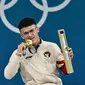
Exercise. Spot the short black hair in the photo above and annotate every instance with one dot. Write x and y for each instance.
(26, 22)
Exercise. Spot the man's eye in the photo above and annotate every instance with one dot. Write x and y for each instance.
(26, 33)
(31, 30)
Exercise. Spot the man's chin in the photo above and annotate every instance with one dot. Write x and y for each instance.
(33, 42)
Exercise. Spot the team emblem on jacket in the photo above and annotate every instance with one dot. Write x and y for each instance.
(47, 54)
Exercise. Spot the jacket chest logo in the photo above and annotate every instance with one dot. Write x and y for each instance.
(47, 54)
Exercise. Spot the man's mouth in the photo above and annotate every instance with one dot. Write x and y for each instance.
(32, 39)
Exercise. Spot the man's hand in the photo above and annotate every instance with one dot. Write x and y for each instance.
(70, 52)
(20, 49)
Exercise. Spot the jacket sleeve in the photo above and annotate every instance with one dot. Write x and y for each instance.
(12, 68)
(62, 66)
(60, 62)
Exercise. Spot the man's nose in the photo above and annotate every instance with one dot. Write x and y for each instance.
(29, 34)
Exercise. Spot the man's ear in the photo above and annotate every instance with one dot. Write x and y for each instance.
(21, 36)
(37, 29)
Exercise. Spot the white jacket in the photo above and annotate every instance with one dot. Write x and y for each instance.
(38, 67)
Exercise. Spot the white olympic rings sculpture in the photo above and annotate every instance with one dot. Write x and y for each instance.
(43, 8)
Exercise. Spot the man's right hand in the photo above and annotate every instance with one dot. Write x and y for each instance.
(20, 49)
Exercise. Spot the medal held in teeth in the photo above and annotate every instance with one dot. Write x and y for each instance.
(28, 43)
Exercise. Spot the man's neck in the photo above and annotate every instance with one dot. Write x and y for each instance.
(37, 44)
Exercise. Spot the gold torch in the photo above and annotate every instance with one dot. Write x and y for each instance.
(64, 45)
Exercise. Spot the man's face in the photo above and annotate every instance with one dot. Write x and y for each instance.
(30, 32)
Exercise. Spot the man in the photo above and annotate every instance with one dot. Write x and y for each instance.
(39, 63)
